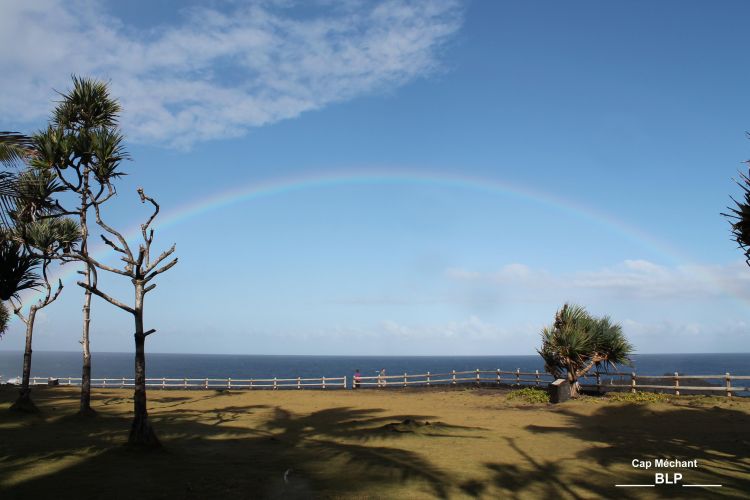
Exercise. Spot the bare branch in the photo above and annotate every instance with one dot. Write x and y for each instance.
(95, 263)
(146, 334)
(148, 236)
(66, 182)
(111, 191)
(111, 231)
(144, 198)
(106, 297)
(149, 288)
(17, 310)
(110, 243)
(160, 258)
(57, 293)
(47, 286)
(159, 271)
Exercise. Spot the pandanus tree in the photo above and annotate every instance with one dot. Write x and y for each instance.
(576, 343)
(141, 269)
(43, 237)
(83, 147)
(47, 238)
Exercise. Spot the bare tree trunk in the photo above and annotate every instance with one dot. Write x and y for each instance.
(24, 403)
(85, 408)
(575, 388)
(141, 432)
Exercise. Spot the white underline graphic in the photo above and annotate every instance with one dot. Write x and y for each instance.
(654, 486)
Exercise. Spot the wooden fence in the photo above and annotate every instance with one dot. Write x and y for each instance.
(205, 383)
(691, 384)
(725, 384)
(498, 377)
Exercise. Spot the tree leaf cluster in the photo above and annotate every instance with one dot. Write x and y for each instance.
(739, 217)
(19, 269)
(578, 341)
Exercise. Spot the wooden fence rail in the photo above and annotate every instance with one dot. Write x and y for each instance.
(725, 384)
(204, 383)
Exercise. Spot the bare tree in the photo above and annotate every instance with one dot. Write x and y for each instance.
(141, 269)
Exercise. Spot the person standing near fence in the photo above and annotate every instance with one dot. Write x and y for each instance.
(357, 379)
(381, 378)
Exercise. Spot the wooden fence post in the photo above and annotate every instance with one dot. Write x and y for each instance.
(729, 385)
(229, 383)
(518, 376)
(676, 384)
(344, 381)
(405, 377)
(251, 383)
(632, 382)
(163, 382)
(123, 381)
(103, 385)
(206, 384)
(324, 382)
(428, 379)
(184, 383)
(536, 376)
(498, 376)
(453, 379)
(274, 383)
(478, 382)
(299, 383)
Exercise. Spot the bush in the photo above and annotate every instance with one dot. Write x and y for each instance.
(529, 395)
(638, 397)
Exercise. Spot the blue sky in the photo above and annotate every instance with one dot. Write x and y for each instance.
(432, 177)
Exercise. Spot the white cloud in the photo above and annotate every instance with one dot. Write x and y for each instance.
(471, 328)
(219, 72)
(686, 330)
(634, 279)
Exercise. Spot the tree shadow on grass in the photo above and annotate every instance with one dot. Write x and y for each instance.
(540, 478)
(215, 454)
(717, 437)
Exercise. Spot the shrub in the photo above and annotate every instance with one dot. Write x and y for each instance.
(529, 395)
(638, 397)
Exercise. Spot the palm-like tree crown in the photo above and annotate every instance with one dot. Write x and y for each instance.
(576, 340)
(17, 269)
(739, 218)
(4, 319)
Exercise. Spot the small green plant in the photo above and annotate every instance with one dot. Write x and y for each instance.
(529, 395)
(638, 397)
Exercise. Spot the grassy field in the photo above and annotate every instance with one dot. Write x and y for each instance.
(461, 443)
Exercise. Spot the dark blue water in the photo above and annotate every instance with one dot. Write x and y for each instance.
(115, 365)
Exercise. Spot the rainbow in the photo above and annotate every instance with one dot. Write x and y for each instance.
(399, 177)
(274, 187)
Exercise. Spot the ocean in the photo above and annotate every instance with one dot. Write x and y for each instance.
(116, 365)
